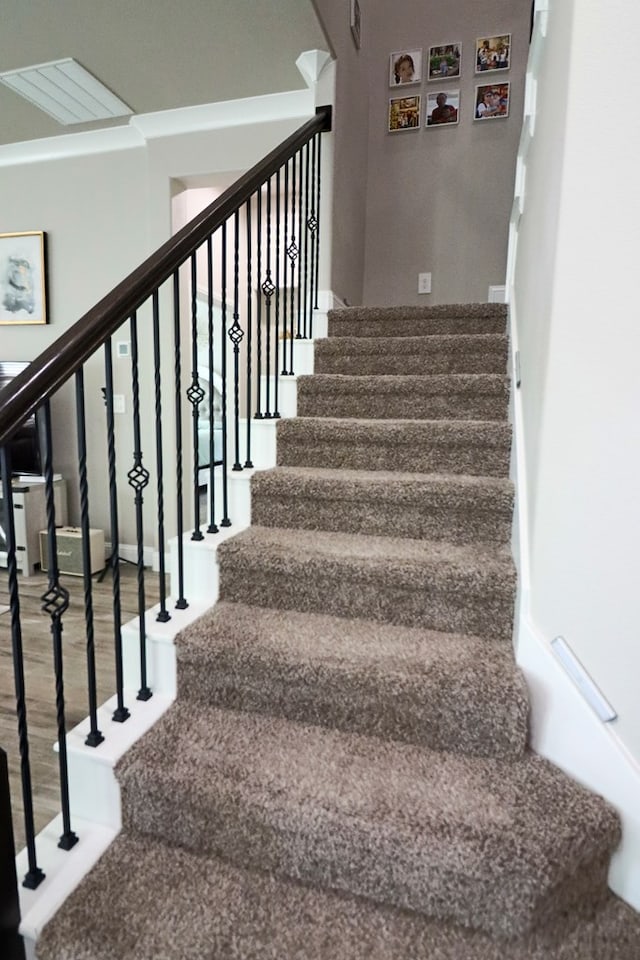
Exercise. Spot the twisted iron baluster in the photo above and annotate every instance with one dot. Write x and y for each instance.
(181, 603)
(312, 224)
(292, 253)
(299, 260)
(212, 528)
(236, 335)
(285, 233)
(225, 522)
(319, 139)
(259, 414)
(306, 238)
(195, 396)
(248, 464)
(95, 736)
(138, 478)
(121, 713)
(55, 602)
(163, 614)
(34, 875)
(276, 359)
(268, 290)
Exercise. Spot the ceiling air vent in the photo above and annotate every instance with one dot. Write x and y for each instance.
(66, 91)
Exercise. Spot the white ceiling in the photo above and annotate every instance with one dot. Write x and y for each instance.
(155, 54)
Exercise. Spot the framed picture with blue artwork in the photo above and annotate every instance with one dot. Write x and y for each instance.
(23, 277)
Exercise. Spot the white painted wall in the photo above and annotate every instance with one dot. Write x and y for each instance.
(572, 277)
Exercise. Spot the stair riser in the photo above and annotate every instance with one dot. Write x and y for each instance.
(419, 364)
(375, 454)
(341, 592)
(422, 520)
(382, 407)
(382, 866)
(454, 717)
(416, 328)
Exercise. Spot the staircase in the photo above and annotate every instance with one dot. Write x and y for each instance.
(345, 771)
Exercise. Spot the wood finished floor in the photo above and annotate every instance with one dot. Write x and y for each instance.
(39, 677)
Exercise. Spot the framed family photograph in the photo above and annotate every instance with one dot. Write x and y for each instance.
(443, 108)
(23, 277)
(492, 101)
(355, 21)
(445, 61)
(493, 53)
(404, 114)
(405, 67)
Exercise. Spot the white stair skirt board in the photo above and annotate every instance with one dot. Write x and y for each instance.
(287, 395)
(201, 563)
(95, 810)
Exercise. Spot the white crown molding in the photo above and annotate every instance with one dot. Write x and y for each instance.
(166, 123)
(311, 64)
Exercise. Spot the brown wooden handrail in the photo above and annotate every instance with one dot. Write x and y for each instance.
(55, 365)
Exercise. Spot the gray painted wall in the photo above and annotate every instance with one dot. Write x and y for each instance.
(437, 199)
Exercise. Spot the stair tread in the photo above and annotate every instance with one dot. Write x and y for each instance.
(480, 561)
(493, 384)
(439, 832)
(218, 911)
(422, 686)
(480, 431)
(491, 342)
(468, 311)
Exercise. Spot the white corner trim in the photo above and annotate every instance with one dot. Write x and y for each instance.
(227, 113)
(311, 64)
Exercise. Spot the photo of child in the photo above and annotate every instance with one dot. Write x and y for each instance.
(405, 67)
(444, 61)
(492, 101)
(404, 114)
(493, 53)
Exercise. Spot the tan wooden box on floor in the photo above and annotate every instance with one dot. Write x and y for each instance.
(69, 541)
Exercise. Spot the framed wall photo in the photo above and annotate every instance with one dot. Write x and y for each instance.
(492, 101)
(404, 114)
(405, 67)
(355, 21)
(443, 108)
(493, 53)
(23, 277)
(445, 61)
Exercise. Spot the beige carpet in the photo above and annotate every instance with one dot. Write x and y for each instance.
(345, 773)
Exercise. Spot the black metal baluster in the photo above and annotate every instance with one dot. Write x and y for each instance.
(225, 522)
(299, 333)
(163, 614)
(306, 240)
(319, 139)
(55, 601)
(181, 603)
(292, 253)
(121, 713)
(248, 464)
(34, 875)
(285, 233)
(195, 396)
(95, 736)
(212, 528)
(268, 290)
(312, 224)
(138, 478)
(11, 942)
(259, 414)
(276, 359)
(235, 335)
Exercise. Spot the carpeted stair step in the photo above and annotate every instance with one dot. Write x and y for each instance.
(472, 353)
(412, 583)
(442, 690)
(458, 508)
(418, 321)
(475, 447)
(471, 396)
(489, 844)
(212, 910)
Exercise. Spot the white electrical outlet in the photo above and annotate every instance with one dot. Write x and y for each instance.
(424, 283)
(118, 403)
